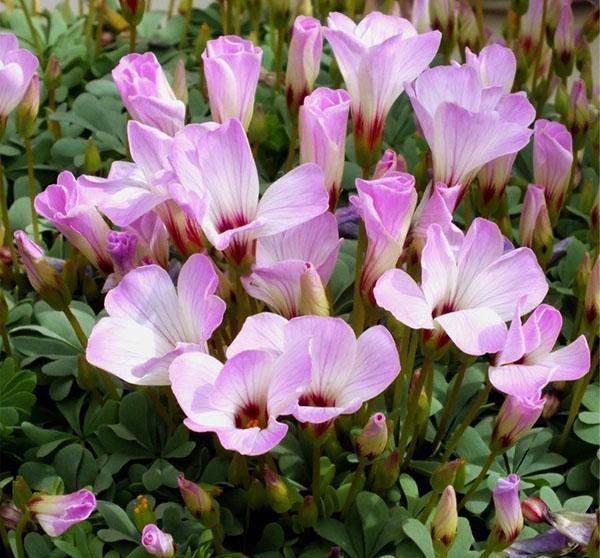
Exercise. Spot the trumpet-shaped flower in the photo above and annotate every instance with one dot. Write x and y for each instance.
(535, 229)
(214, 163)
(157, 542)
(232, 69)
(241, 400)
(56, 514)
(467, 293)
(456, 113)
(377, 57)
(386, 206)
(304, 59)
(67, 206)
(150, 322)
(17, 67)
(146, 93)
(527, 363)
(132, 190)
(282, 260)
(323, 120)
(515, 419)
(344, 371)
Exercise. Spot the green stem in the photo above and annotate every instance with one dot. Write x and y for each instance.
(34, 36)
(449, 404)
(358, 312)
(99, 27)
(4, 538)
(132, 37)
(353, 488)
(32, 190)
(5, 343)
(289, 162)
(186, 27)
(540, 47)
(237, 16)
(479, 16)
(429, 506)
(409, 351)
(413, 406)
(8, 237)
(19, 535)
(76, 326)
(578, 393)
(469, 417)
(475, 484)
(160, 408)
(217, 540)
(170, 9)
(279, 58)
(316, 471)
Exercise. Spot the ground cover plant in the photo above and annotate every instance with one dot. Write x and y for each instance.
(299, 279)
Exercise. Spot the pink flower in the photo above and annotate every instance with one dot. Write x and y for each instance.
(67, 206)
(564, 40)
(466, 292)
(323, 122)
(386, 206)
(454, 108)
(56, 514)
(241, 400)
(132, 190)
(530, 27)
(214, 163)
(150, 322)
(304, 59)
(283, 259)
(146, 93)
(17, 67)
(344, 371)
(232, 68)
(509, 518)
(516, 417)
(390, 162)
(496, 66)
(552, 160)
(157, 542)
(377, 57)
(420, 16)
(527, 363)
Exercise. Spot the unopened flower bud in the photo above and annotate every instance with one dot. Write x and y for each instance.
(42, 275)
(56, 514)
(446, 474)
(551, 404)
(27, 111)
(534, 509)
(373, 438)
(564, 42)
(92, 162)
(591, 309)
(179, 86)
(467, 30)
(201, 39)
(535, 229)
(313, 297)
(52, 75)
(157, 542)
(278, 494)
(579, 113)
(390, 162)
(441, 15)
(142, 512)
(509, 518)
(10, 515)
(445, 521)
(256, 495)
(237, 474)
(199, 502)
(308, 514)
(515, 419)
(184, 7)
(133, 10)
(21, 492)
(386, 471)
(590, 28)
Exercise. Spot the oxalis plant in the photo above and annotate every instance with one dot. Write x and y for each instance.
(299, 279)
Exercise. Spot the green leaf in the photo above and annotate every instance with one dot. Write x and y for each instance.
(420, 535)
(16, 394)
(374, 514)
(119, 523)
(335, 532)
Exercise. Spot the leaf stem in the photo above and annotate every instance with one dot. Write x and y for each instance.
(358, 313)
(316, 471)
(475, 484)
(8, 238)
(31, 187)
(353, 488)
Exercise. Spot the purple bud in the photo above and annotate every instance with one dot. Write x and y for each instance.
(373, 438)
(515, 419)
(122, 248)
(10, 515)
(509, 518)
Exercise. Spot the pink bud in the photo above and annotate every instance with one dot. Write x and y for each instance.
(509, 518)
(515, 419)
(304, 60)
(534, 509)
(390, 162)
(157, 542)
(373, 438)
